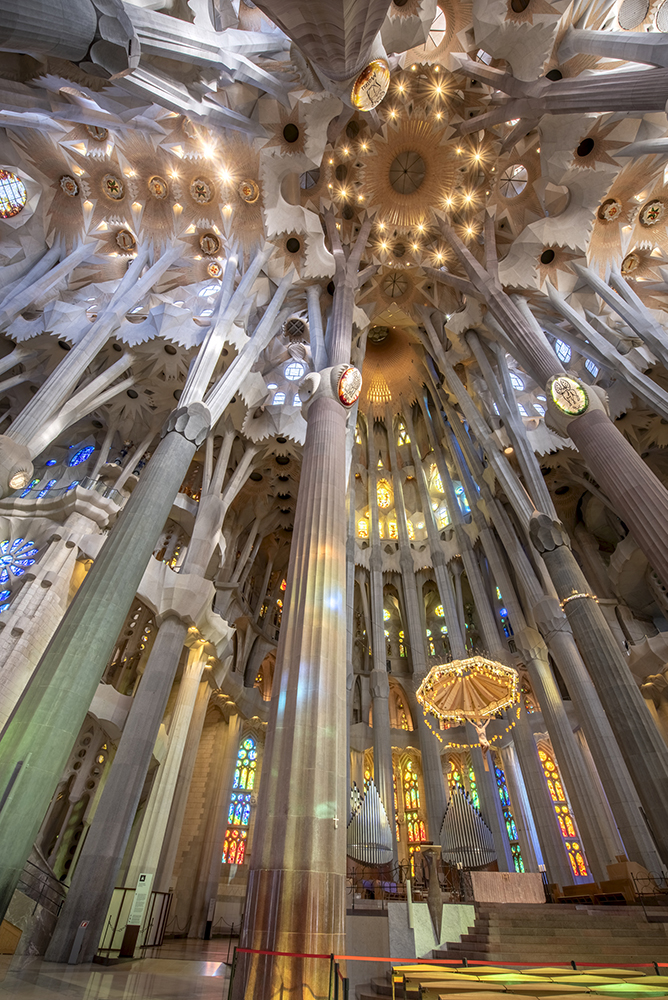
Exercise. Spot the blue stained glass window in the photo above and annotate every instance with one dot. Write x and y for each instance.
(562, 351)
(49, 485)
(591, 367)
(15, 558)
(75, 482)
(4, 594)
(461, 497)
(82, 455)
(509, 820)
(52, 461)
(31, 486)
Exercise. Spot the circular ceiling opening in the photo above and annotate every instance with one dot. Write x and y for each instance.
(407, 172)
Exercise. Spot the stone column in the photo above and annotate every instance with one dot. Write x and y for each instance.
(102, 854)
(296, 893)
(451, 607)
(208, 871)
(37, 740)
(572, 766)
(163, 879)
(149, 844)
(639, 741)
(432, 770)
(379, 684)
(490, 802)
(542, 808)
(522, 814)
(608, 758)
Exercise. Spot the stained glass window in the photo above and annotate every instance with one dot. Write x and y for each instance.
(562, 351)
(13, 195)
(42, 493)
(362, 529)
(591, 367)
(384, 494)
(461, 497)
(436, 481)
(403, 434)
(565, 819)
(430, 641)
(31, 486)
(417, 832)
(509, 820)
(238, 814)
(393, 529)
(402, 645)
(82, 455)
(294, 370)
(411, 530)
(16, 557)
(516, 382)
(473, 789)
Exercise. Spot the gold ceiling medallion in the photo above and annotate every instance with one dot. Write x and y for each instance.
(609, 210)
(69, 186)
(568, 395)
(652, 212)
(371, 85)
(249, 191)
(630, 263)
(201, 190)
(158, 187)
(113, 187)
(209, 244)
(125, 240)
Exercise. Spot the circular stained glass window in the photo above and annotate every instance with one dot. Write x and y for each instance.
(568, 395)
(513, 181)
(350, 386)
(13, 195)
(82, 455)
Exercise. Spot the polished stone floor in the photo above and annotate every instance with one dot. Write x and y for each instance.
(180, 970)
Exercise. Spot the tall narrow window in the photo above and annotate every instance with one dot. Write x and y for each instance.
(384, 494)
(238, 816)
(566, 824)
(417, 832)
(509, 820)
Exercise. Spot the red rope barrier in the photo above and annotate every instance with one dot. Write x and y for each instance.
(438, 961)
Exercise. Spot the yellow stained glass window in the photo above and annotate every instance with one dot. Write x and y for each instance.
(384, 494)
(362, 529)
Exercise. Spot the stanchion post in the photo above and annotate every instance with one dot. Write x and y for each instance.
(232, 971)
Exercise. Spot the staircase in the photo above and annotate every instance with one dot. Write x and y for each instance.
(556, 933)
(552, 934)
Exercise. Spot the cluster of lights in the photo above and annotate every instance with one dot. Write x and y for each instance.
(468, 746)
(575, 597)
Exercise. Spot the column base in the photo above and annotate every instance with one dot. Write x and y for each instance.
(299, 913)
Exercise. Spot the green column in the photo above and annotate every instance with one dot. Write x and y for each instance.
(38, 738)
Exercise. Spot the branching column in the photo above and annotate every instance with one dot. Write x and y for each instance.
(296, 891)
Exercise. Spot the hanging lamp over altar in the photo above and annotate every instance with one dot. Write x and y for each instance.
(472, 690)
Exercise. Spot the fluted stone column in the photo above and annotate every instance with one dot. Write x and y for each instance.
(296, 893)
(100, 859)
(639, 741)
(146, 854)
(164, 875)
(547, 827)
(605, 750)
(490, 802)
(37, 741)
(211, 855)
(527, 834)
(573, 768)
(432, 770)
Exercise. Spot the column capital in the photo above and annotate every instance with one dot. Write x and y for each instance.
(379, 684)
(530, 644)
(546, 534)
(192, 422)
(550, 617)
